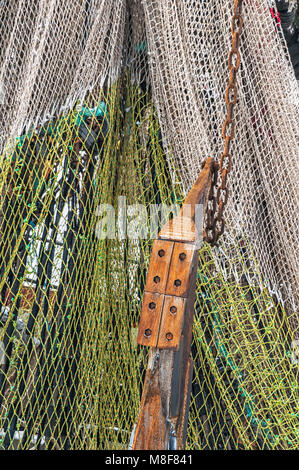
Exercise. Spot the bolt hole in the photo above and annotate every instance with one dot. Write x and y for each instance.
(169, 336)
(173, 309)
(156, 279)
(147, 333)
(152, 305)
(182, 256)
(177, 283)
(161, 253)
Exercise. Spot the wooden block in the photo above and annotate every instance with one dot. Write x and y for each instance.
(180, 269)
(172, 322)
(179, 228)
(159, 266)
(166, 394)
(150, 319)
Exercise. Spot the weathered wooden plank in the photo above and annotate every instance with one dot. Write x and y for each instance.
(182, 260)
(172, 322)
(159, 266)
(151, 313)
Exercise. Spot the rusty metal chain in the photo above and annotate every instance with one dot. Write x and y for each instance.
(219, 194)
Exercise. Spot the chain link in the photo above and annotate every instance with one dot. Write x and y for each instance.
(218, 196)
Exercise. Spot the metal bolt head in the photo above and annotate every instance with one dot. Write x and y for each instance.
(182, 256)
(148, 333)
(152, 305)
(173, 309)
(177, 282)
(156, 279)
(161, 253)
(169, 336)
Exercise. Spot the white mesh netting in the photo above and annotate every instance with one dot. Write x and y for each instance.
(188, 46)
(52, 53)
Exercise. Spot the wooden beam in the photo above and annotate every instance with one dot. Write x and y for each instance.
(166, 324)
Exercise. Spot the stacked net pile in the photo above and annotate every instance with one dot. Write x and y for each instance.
(105, 100)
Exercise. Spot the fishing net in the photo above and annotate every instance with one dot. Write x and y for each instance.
(102, 101)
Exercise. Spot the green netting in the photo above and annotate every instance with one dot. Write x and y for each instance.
(71, 372)
(245, 393)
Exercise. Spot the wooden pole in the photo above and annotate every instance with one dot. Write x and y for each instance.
(166, 324)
